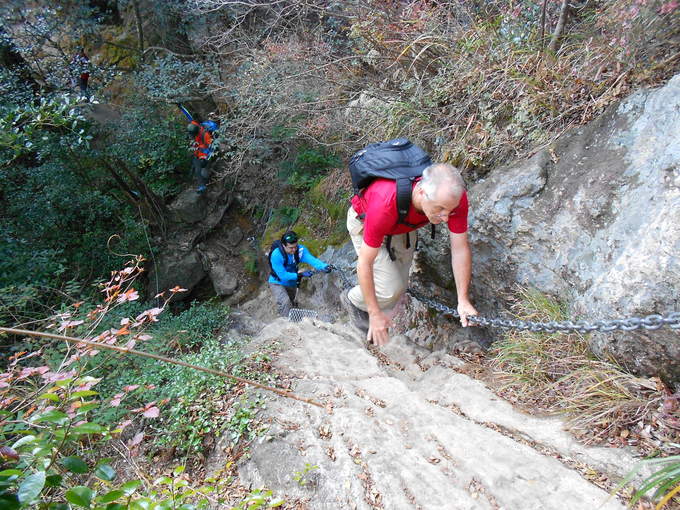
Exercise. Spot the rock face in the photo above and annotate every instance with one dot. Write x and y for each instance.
(176, 268)
(202, 241)
(593, 220)
(403, 429)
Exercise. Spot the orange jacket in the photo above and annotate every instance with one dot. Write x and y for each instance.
(202, 142)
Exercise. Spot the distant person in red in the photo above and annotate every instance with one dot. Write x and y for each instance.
(80, 64)
(202, 146)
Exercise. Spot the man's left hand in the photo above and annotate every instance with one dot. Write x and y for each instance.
(465, 309)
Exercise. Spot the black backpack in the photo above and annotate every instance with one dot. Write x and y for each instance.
(277, 245)
(397, 159)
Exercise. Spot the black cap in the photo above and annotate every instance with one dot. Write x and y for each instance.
(289, 237)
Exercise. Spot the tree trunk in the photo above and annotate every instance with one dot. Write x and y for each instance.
(150, 205)
(140, 29)
(543, 8)
(559, 29)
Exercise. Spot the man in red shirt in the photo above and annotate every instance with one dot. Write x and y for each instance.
(439, 196)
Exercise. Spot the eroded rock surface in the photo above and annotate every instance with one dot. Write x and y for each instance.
(402, 429)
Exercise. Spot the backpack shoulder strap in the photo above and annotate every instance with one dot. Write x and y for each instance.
(404, 191)
(297, 255)
(276, 245)
(279, 246)
(404, 188)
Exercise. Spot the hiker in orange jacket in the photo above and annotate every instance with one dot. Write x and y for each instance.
(200, 159)
(202, 146)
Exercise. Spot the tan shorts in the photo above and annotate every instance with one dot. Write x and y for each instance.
(390, 277)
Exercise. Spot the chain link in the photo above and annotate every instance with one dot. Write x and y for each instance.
(650, 322)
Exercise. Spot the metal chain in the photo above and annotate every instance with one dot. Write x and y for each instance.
(650, 322)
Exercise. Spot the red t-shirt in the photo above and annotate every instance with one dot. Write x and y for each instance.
(379, 204)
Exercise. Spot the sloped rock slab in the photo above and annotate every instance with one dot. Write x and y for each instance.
(406, 431)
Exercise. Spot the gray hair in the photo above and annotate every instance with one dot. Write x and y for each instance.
(441, 175)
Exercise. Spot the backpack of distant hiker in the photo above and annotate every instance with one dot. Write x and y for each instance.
(397, 159)
(210, 126)
(277, 245)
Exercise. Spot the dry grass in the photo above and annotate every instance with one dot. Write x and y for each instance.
(557, 374)
(475, 95)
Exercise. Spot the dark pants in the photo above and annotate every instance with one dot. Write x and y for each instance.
(201, 170)
(284, 297)
(82, 83)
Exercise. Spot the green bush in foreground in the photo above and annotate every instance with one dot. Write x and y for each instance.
(51, 426)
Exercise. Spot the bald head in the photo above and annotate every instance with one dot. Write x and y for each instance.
(442, 182)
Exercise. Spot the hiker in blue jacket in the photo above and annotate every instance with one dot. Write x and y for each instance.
(284, 257)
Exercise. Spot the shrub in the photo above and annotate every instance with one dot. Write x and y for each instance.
(308, 167)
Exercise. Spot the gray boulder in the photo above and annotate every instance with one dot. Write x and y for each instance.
(189, 207)
(183, 268)
(593, 220)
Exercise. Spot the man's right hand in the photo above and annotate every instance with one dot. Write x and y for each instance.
(378, 328)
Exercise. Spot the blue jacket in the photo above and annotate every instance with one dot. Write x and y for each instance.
(288, 278)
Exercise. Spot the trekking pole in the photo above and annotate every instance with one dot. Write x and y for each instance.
(185, 112)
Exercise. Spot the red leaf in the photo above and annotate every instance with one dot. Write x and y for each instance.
(69, 324)
(130, 295)
(668, 7)
(130, 387)
(139, 436)
(152, 412)
(51, 377)
(6, 453)
(115, 401)
(124, 424)
(149, 314)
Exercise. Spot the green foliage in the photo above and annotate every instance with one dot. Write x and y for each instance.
(259, 498)
(665, 481)
(301, 476)
(42, 128)
(170, 78)
(46, 34)
(193, 399)
(285, 216)
(54, 424)
(250, 261)
(243, 423)
(151, 141)
(308, 167)
(59, 203)
(52, 452)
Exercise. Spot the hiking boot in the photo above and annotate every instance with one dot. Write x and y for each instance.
(357, 317)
